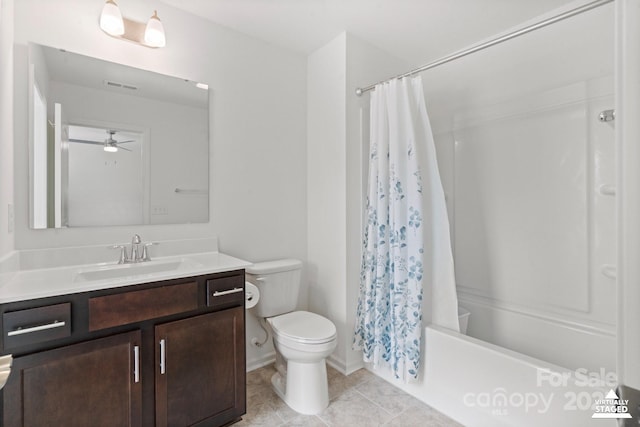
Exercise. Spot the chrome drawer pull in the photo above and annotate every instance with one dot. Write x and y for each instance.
(163, 361)
(230, 291)
(20, 331)
(136, 364)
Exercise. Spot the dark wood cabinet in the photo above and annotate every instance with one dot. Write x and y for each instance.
(168, 353)
(93, 383)
(200, 376)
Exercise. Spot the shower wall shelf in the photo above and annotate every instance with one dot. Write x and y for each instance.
(607, 116)
(190, 191)
(609, 271)
(607, 190)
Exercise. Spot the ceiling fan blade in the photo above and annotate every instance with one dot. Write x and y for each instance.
(122, 148)
(84, 141)
(122, 142)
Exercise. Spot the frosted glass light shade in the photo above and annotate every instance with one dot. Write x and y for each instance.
(110, 148)
(111, 19)
(154, 33)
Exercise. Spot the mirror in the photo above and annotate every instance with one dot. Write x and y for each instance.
(114, 145)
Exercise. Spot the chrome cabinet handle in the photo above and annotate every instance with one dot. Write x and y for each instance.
(21, 331)
(136, 364)
(227, 292)
(162, 357)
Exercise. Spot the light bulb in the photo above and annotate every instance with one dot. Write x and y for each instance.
(110, 148)
(154, 33)
(111, 19)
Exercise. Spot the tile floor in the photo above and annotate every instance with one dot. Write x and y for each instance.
(358, 400)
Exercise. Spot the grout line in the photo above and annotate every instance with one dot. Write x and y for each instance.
(280, 416)
(375, 403)
(354, 388)
(322, 421)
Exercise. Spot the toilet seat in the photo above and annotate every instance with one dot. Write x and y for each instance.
(303, 327)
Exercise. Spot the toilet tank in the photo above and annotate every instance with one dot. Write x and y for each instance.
(278, 282)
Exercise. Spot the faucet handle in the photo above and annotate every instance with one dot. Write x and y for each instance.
(123, 253)
(145, 251)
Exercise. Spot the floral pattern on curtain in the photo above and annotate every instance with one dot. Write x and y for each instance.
(389, 312)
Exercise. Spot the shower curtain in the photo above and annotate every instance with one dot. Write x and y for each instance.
(407, 264)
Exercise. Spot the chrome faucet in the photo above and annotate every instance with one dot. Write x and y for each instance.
(135, 255)
(135, 249)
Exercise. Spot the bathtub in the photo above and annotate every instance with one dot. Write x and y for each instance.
(481, 384)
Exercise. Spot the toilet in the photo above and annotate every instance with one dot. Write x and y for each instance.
(302, 340)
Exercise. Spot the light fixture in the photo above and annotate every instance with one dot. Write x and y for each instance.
(111, 19)
(112, 23)
(154, 33)
(109, 148)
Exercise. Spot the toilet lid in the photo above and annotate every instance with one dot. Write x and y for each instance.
(303, 326)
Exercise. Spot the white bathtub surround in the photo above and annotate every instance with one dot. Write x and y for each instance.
(396, 246)
(530, 249)
(523, 158)
(483, 385)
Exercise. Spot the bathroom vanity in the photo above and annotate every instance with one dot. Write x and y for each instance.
(146, 352)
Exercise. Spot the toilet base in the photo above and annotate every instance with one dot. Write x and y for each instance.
(304, 388)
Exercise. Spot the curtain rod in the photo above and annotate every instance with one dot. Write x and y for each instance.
(493, 42)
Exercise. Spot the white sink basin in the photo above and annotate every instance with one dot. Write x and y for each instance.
(128, 270)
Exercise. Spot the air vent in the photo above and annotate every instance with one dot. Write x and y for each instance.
(120, 85)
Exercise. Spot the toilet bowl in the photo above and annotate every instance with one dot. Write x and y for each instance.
(302, 340)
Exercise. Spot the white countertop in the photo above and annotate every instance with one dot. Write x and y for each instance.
(47, 282)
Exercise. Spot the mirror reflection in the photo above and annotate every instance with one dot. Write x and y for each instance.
(114, 145)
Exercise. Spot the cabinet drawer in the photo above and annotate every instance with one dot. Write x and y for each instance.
(36, 325)
(225, 291)
(136, 306)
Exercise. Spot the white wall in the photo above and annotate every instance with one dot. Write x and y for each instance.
(250, 133)
(335, 135)
(6, 124)
(326, 192)
(257, 128)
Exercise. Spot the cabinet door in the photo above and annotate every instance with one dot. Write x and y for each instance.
(200, 373)
(95, 383)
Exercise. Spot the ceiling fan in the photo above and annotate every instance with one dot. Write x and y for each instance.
(109, 145)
